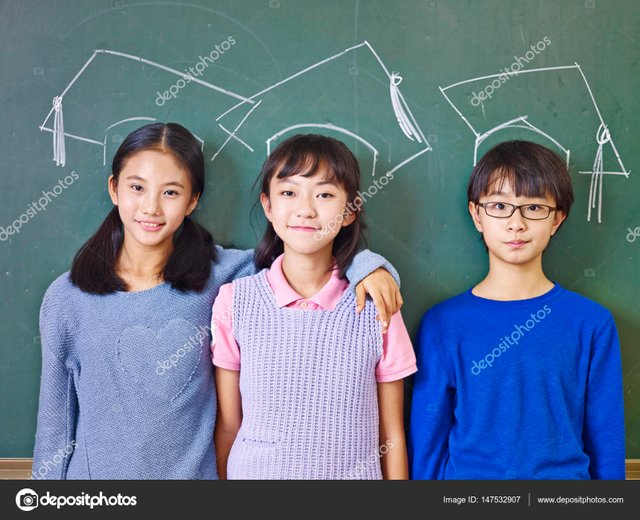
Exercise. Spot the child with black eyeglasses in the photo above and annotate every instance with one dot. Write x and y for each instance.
(518, 377)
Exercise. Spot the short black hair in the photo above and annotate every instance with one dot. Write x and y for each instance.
(532, 169)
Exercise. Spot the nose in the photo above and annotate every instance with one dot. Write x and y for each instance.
(305, 208)
(516, 222)
(150, 205)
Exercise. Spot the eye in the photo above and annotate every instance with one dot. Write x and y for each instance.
(534, 208)
(325, 195)
(171, 193)
(136, 187)
(287, 193)
(498, 205)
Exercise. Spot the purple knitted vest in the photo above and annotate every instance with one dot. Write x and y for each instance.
(309, 392)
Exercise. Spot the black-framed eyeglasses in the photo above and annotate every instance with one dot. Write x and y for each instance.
(528, 211)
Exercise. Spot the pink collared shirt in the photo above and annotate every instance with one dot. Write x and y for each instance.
(398, 359)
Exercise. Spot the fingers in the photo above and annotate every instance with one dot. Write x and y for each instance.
(381, 307)
(361, 296)
(390, 296)
(399, 300)
(392, 304)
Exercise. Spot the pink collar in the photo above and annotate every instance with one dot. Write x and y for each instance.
(326, 298)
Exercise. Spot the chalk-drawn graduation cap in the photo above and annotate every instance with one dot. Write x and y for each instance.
(97, 102)
(360, 104)
(351, 95)
(556, 104)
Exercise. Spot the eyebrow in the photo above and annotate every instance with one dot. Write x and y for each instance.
(137, 178)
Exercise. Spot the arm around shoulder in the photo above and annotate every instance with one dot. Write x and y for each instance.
(365, 263)
(233, 263)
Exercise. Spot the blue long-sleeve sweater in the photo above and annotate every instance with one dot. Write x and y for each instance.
(127, 389)
(528, 389)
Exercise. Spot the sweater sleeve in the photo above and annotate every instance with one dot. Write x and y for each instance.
(364, 263)
(431, 406)
(604, 438)
(58, 409)
(234, 263)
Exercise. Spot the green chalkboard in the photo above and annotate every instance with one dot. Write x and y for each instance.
(417, 88)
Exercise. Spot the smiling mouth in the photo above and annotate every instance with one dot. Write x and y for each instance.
(150, 226)
(303, 228)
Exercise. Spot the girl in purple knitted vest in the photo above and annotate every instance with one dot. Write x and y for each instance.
(308, 388)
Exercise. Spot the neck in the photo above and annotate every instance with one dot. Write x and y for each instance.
(307, 273)
(513, 282)
(142, 262)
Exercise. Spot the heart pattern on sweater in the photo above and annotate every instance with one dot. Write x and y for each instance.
(163, 363)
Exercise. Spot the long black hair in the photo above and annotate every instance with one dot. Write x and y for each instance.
(189, 264)
(306, 154)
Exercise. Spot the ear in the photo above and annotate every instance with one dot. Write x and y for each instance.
(112, 186)
(558, 218)
(474, 211)
(192, 204)
(266, 205)
(349, 217)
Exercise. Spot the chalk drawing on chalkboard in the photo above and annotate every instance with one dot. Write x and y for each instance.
(327, 126)
(393, 108)
(106, 133)
(602, 135)
(58, 131)
(397, 107)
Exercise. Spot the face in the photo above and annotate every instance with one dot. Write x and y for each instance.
(515, 240)
(153, 195)
(306, 212)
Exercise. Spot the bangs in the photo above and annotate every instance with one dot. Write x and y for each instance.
(524, 183)
(310, 165)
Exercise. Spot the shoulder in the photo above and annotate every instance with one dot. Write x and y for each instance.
(587, 321)
(231, 264)
(579, 305)
(232, 257)
(449, 309)
(60, 290)
(59, 315)
(223, 305)
(252, 280)
(584, 303)
(62, 283)
(225, 296)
